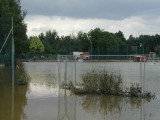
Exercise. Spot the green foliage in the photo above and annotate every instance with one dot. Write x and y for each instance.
(149, 43)
(102, 82)
(36, 45)
(101, 40)
(12, 8)
(157, 49)
(50, 41)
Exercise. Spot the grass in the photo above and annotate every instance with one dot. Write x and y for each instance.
(21, 77)
(103, 82)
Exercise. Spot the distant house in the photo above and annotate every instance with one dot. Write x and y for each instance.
(81, 55)
(77, 54)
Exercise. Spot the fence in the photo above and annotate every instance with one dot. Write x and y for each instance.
(132, 71)
(71, 69)
(7, 63)
(6, 49)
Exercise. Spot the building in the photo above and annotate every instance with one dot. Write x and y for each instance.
(81, 55)
(139, 58)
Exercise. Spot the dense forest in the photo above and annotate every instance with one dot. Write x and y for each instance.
(101, 41)
(97, 41)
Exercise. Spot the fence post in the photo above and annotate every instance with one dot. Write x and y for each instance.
(65, 73)
(13, 71)
(144, 76)
(75, 71)
(141, 76)
(58, 59)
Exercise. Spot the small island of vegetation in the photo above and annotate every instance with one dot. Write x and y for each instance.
(103, 82)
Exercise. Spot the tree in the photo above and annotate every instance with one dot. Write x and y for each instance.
(120, 35)
(51, 41)
(36, 45)
(12, 8)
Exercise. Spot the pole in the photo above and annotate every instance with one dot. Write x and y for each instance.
(13, 54)
(141, 80)
(65, 77)
(91, 48)
(75, 72)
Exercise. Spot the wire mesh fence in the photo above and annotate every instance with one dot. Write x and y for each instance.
(6, 51)
(7, 67)
(5, 42)
(133, 70)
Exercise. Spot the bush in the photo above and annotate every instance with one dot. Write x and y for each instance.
(108, 83)
(102, 82)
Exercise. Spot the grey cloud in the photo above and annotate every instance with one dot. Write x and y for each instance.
(107, 9)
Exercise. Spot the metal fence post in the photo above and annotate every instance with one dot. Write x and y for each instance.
(58, 70)
(141, 76)
(144, 76)
(65, 73)
(75, 71)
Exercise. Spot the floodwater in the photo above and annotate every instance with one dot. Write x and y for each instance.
(43, 100)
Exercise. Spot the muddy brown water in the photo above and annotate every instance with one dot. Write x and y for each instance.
(42, 99)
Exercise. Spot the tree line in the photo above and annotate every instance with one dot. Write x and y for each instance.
(97, 41)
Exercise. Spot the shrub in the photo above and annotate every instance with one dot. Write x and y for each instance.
(102, 82)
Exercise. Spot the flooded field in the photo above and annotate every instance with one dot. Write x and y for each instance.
(42, 99)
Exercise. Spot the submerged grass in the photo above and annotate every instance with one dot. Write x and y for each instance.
(21, 77)
(103, 82)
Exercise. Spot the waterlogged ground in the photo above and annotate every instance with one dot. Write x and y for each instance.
(42, 100)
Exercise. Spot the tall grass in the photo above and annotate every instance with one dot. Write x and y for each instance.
(103, 82)
(21, 77)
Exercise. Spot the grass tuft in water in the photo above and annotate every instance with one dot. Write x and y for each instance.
(103, 82)
(21, 77)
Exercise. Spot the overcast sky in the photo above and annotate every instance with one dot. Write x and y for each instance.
(70, 16)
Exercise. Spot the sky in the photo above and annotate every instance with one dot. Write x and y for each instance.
(68, 17)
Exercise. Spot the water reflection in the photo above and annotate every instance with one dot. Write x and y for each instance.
(6, 103)
(111, 106)
(40, 100)
(44, 74)
(66, 105)
(43, 79)
(93, 107)
(101, 103)
(5, 75)
(47, 80)
(13, 98)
